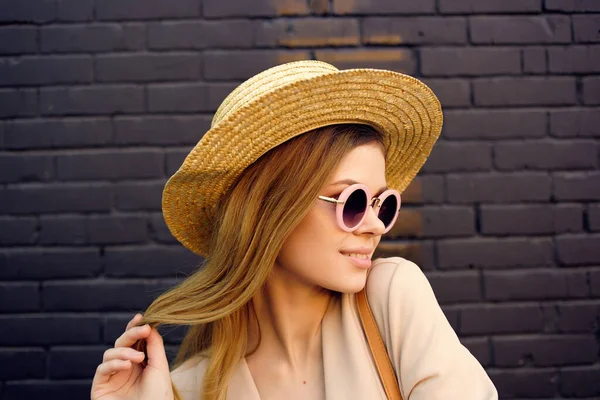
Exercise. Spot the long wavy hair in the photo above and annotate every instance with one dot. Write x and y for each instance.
(260, 210)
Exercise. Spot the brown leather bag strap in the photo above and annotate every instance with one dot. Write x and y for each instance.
(380, 354)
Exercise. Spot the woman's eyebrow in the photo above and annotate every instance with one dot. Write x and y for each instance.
(352, 182)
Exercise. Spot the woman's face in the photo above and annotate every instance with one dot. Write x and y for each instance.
(318, 252)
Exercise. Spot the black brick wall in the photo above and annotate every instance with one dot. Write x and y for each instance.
(100, 100)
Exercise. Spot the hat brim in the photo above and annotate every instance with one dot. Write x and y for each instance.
(402, 108)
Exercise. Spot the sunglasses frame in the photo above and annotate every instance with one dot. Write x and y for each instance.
(374, 202)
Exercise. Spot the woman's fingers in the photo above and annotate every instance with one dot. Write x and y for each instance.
(109, 368)
(133, 321)
(123, 353)
(155, 349)
(132, 335)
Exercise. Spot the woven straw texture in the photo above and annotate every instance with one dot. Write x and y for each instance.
(286, 101)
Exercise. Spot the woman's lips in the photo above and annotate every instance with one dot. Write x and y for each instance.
(360, 260)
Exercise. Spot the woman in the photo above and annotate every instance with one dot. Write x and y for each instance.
(287, 196)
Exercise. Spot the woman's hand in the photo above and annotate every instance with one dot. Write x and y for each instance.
(121, 374)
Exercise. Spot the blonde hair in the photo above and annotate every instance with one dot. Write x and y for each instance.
(264, 205)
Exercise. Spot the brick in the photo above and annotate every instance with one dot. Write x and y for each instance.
(58, 133)
(139, 196)
(448, 221)
(18, 230)
(496, 188)
(55, 198)
(69, 362)
(480, 348)
(45, 70)
(593, 217)
(576, 186)
(19, 11)
(240, 65)
(114, 326)
(471, 61)
(147, 67)
(178, 97)
(499, 319)
(22, 363)
(421, 253)
(397, 59)
(185, 35)
(174, 159)
(151, 9)
(383, 7)
(456, 287)
(580, 381)
(494, 124)
(575, 250)
(543, 351)
(18, 102)
(520, 29)
(525, 383)
(451, 93)
(26, 168)
(90, 100)
(459, 157)
(63, 230)
(595, 283)
(112, 229)
(585, 28)
(159, 232)
(408, 224)
(534, 284)
(575, 122)
(258, 8)
(35, 389)
(25, 330)
(546, 155)
(579, 317)
(109, 165)
(75, 10)
(524, 91)
(160, 130)
(489, 6)
(414, 30)
(427, 189)
(19, 297)
(152, 261)
(307, 32)
(50, 263)
(18, 40)
(452, 315)
(534, 219)
(572, 5)
(574, 59)
(495, 253)
(534, 60)
(92, 38)
(591, 90)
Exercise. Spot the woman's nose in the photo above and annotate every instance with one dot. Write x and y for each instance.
(371, 224)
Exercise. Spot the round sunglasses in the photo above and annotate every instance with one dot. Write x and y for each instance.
(352, 203)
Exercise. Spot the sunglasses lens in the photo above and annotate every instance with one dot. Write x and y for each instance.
(388, 210)
(355, 208)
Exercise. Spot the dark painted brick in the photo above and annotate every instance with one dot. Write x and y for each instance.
(237, 65)
(152, 261)
(591, 90)
(572, 5)
(459, 157)
(113, 229)
(159, 231)
(448, 221)
(430, 188)
(534, 60)
(160, 130)
(534, 219)
(576, 122)
(56, 198)
(175, 160)
(45, 70)
(114, 326)
(26, 168)
(74, 362)
(383, 7)
(258, 8)
(22, 363)
(171, 35)
(25, 330)
(63, 229)
(524, 91)
(51, 390)
(20, 11)
(495, 253)
(580, 381)
(121, 164)
(18, 102)
(414, 30)
(45, 263)
(396, 59)
(150, 9)
(581, 316)
(53, 133)
(495, 188)
(18, 230)
(451, 93)
(147, 67)
(578, 249)
(497, 319)
(480, 348)
(307, 32)
(18, 39)
(421, 252)
(494, 124)
(139, 196)
(19, 297)
(577, 186)
(574, 59)
(451, 61)
(525, 383)
(89, 100)
(544, 351)
(75, 10)
(595, 283)
(520, 29)
(489, 6)
(585, 28)
(456, 287)
(547, 155)
(593, 217)
(178, 97)
(408, 224)
(92, 38)
(534, 284)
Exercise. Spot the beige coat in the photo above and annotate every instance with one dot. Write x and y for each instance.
(429, 360)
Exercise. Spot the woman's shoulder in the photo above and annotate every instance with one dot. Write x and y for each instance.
(188, 377)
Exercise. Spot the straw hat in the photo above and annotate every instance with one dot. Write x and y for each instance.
(286, 101)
